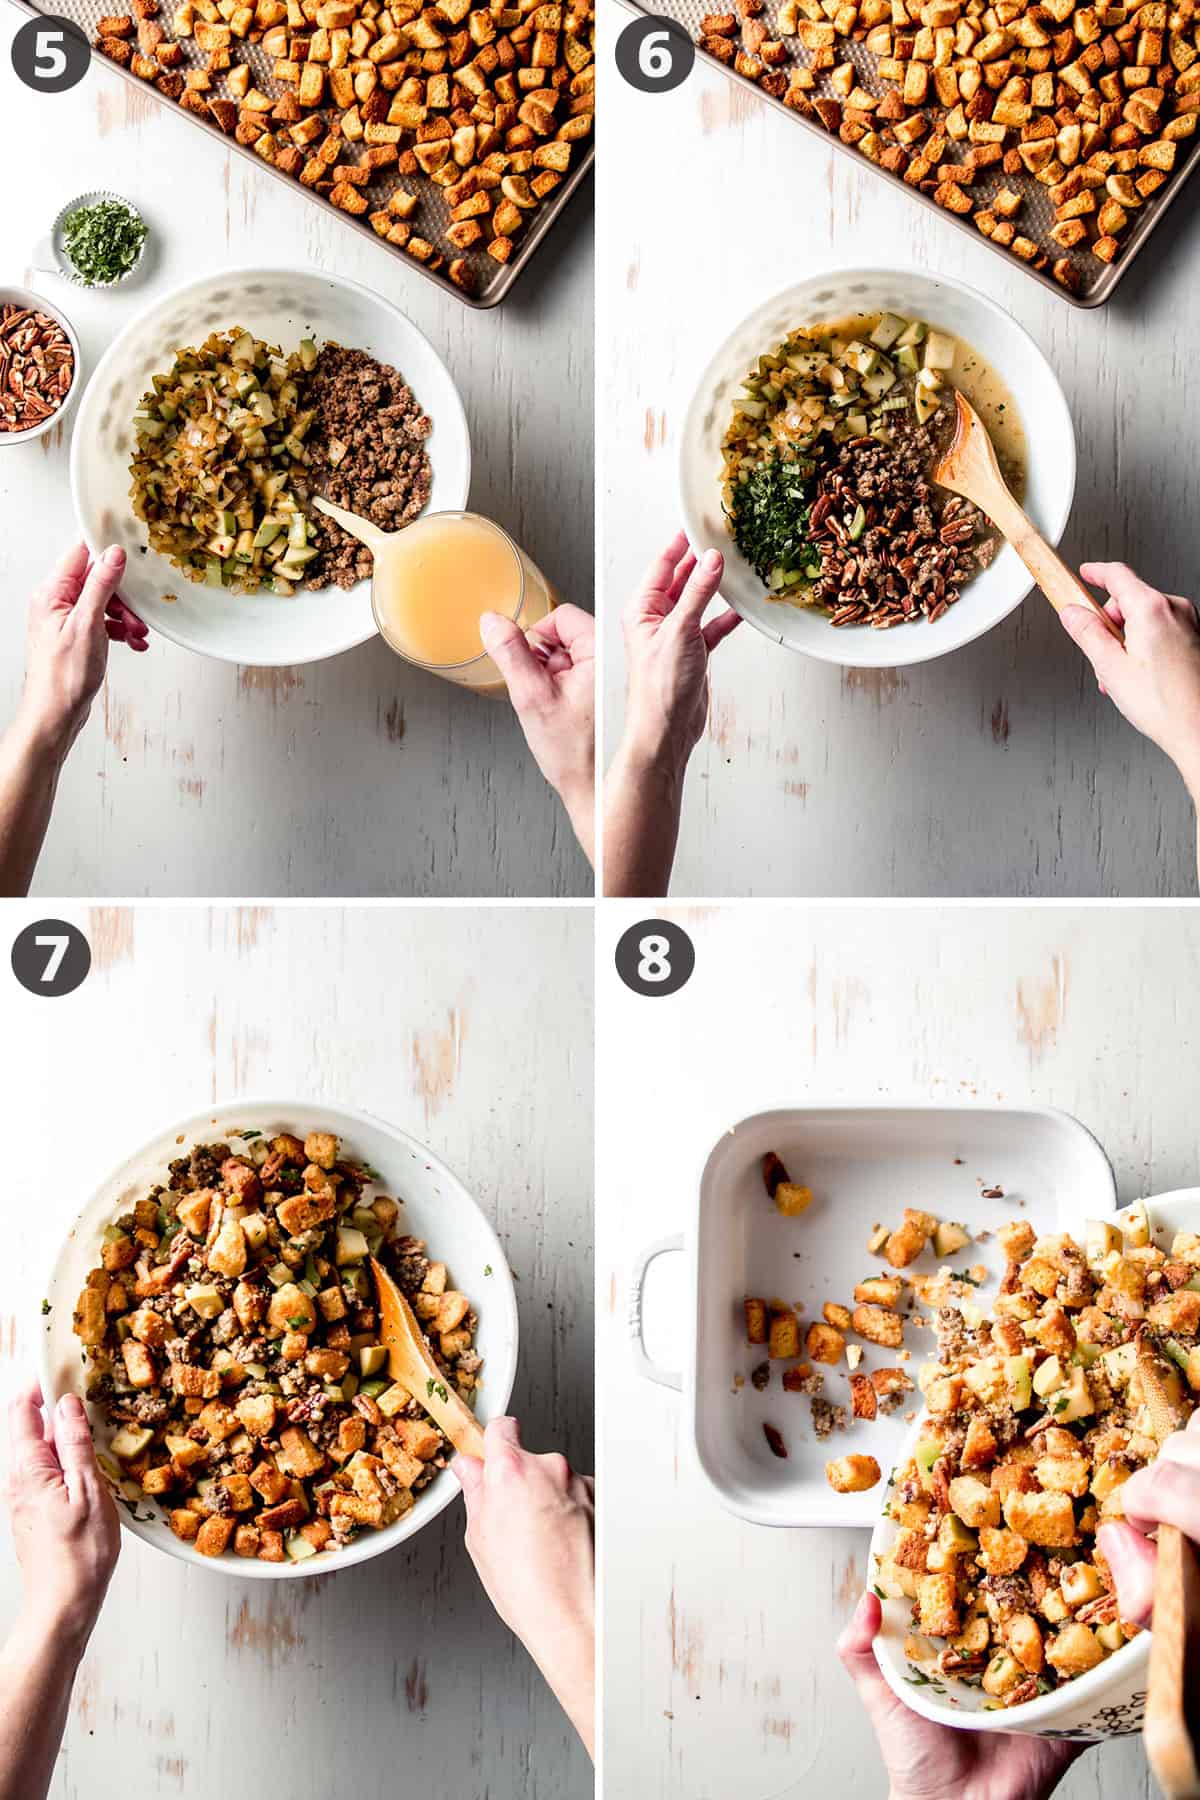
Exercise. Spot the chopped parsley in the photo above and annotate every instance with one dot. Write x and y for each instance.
(436, 1387)
(103, 241)
(487, 1268)
(769, 521)
(45, 1307)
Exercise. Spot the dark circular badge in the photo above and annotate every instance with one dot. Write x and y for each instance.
(655, 55)
(655, 957)
(51, 55)
(51, 957)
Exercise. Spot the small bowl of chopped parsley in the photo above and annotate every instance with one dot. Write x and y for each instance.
(99, 240)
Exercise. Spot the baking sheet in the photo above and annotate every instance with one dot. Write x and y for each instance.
(494, 281)
(864, 1166)
(1098, 280)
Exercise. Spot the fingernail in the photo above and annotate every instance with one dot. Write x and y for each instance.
(490, 626)
(712, 560)
(114, 557)
(68, 1404)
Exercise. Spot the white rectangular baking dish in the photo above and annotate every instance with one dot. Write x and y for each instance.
(865, 1164)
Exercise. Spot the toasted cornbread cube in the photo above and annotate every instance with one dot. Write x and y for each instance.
(824, 1343)
(974, 1502)
(879, 1325)
(937, 1606)
(852, 1474)
(139, 1364)
(321, 1147)
(1065, 1474)
(214, 1535)
(756, 1321)
(906, 1244)
(1074, 1651)
(1016, 1239)
(784, 1336)
(256, 1414)
(90, 1321)
(298, 1456)
(791, 1199)
(863, 1400)
(1045, 1519)
(419, 1437)
(879, 1290)
(1001, 1552)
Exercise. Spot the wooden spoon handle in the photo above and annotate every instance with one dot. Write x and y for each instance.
(458, 1422)
(1172, 1729)
(1060, 584)
(448, 1412)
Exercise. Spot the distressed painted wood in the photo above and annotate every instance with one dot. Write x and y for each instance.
(995, 771)
(393, 1678)
(720, 1675)
(355, 776)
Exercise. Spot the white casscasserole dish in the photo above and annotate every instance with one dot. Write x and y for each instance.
(281, 306)
(951, 305)
(865, 1164)
(435, 1206)
(1107, 1702)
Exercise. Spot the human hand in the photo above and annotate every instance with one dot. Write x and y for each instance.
(1155, 680)
(64, 1523)
(550, 674)
(668, 647)
(1165, 1492)
(73, 616)
(937, 1762)
(531, 1536)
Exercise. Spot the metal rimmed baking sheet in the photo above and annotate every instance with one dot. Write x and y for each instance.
(494, 281)
(1098, 280)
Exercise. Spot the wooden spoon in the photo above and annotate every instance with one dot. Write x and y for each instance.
(1172, 1728)
(970, 468)
(410, 1363)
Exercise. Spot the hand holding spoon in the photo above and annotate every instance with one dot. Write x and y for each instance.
(969, 468)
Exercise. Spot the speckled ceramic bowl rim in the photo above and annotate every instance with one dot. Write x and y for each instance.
(501, 1307)
(903, 646)
(1041, 1715)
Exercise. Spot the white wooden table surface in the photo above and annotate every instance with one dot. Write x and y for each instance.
(360, 775)
(720, 1677)
(997, 770)
(392, 1680)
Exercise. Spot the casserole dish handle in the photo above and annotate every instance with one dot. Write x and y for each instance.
(643, 1363)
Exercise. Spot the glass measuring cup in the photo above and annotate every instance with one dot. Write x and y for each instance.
(435, 579)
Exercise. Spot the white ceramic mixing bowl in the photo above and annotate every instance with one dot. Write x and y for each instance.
(999, 340)
(435, 1206)
(280, 306)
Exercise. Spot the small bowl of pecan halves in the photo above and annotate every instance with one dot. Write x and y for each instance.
(40, 365)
